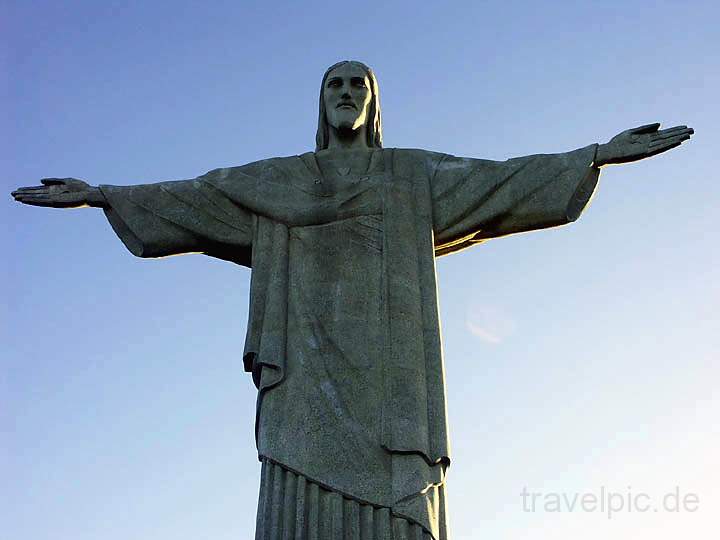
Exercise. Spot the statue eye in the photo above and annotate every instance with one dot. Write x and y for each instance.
(334, 83)
(359, 82)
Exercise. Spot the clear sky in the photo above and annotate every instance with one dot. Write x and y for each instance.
(578, 359)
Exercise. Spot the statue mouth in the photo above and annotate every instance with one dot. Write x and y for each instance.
(341, 105)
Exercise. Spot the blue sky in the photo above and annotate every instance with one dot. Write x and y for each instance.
(577, 358)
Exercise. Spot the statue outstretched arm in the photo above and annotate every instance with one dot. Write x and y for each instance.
(156, 220)
(475, 199)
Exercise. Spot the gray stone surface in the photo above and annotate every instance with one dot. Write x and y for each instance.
(343, 337)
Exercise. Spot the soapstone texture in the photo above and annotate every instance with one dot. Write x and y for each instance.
(343, 339)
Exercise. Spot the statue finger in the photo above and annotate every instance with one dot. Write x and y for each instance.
(35, 200)
(669, 141)
(673, 133)
(678, 127)
(673, 128)
(666, 145)
(52, 181)
(670, 132)
(32, 189)
(664, 148)
(647, 128)
(26, 195)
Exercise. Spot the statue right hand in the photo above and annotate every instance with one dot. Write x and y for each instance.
(60, 193)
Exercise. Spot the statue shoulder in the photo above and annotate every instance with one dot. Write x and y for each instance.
(278, 169)
(417, 153)
(415, 160)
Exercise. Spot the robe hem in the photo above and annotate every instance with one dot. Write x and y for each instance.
(326, 487)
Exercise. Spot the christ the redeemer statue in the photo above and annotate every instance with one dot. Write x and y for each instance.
(343, 339)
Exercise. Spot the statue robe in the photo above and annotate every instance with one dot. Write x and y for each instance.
(343, 338)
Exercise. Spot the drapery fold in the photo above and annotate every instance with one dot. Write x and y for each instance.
(293, 507)
(415, 206)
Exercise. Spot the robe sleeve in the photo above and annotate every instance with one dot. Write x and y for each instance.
(475, 200)
(185, 216)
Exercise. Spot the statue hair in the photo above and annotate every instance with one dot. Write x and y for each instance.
(374, 121)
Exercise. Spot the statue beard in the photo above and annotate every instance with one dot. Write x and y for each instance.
(347, 127)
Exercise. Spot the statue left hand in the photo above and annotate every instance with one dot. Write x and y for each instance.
(640, 143)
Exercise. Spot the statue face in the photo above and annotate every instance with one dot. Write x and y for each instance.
(347, 97)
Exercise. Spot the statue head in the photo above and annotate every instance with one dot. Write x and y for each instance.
(349, 100)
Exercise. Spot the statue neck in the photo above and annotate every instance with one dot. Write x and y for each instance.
(347, 139)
